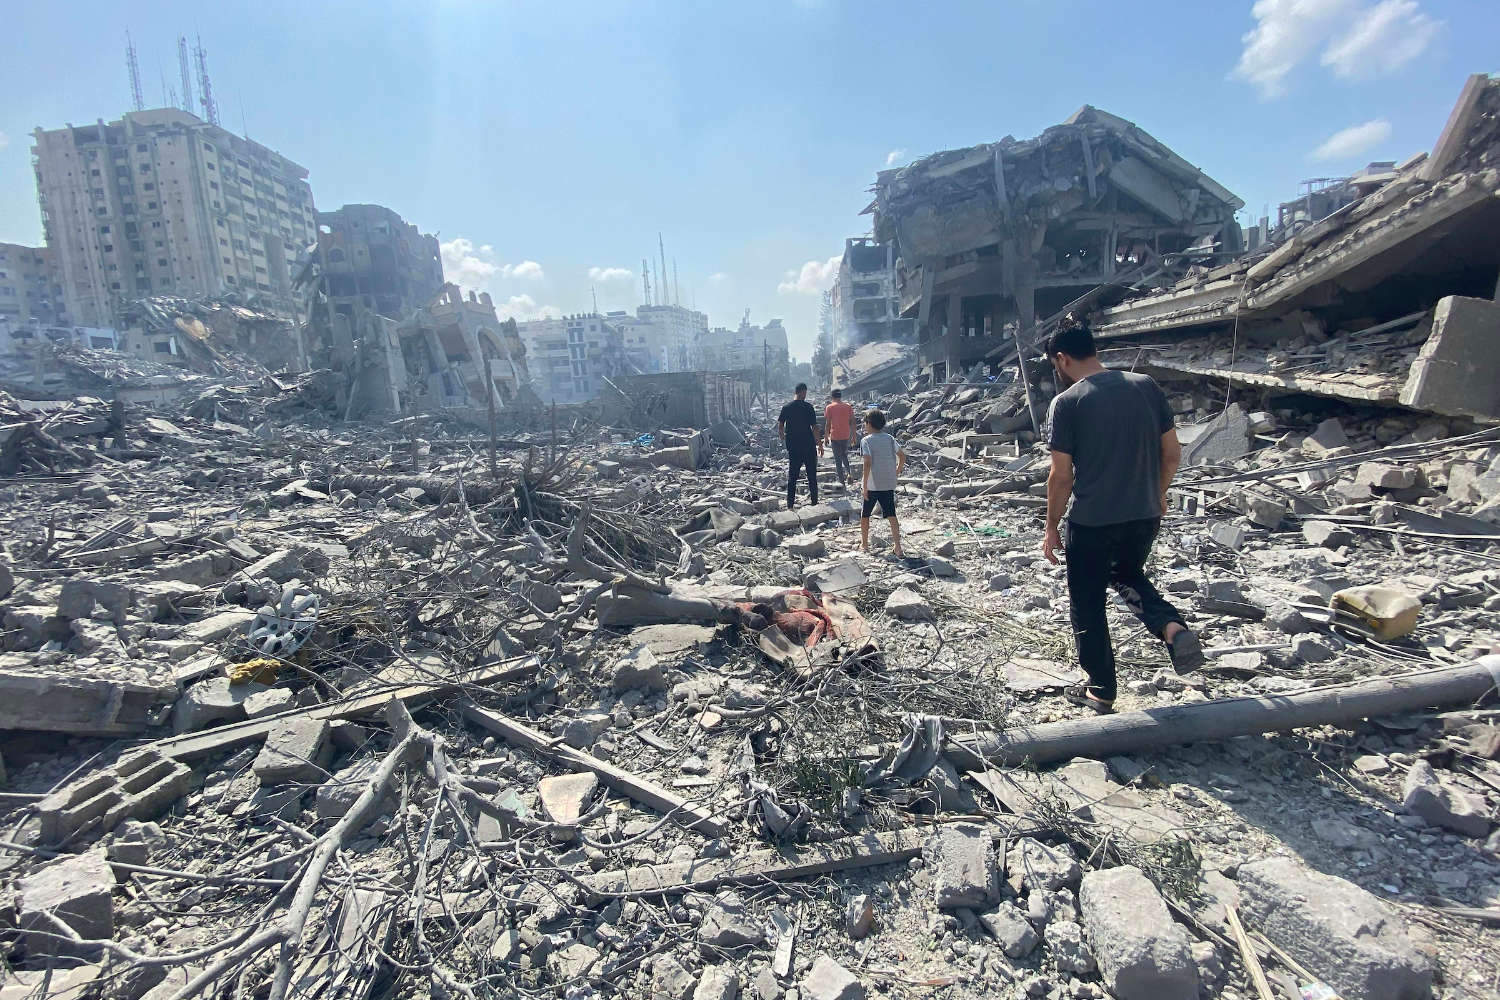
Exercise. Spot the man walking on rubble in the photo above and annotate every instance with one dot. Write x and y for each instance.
(838, 425)
(1114, 451)
(798, 429)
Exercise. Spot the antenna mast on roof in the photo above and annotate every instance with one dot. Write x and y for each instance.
(646, 280)
(663, 293)
(676, 285)
(187, 76)
(135, 74)
(205, 90)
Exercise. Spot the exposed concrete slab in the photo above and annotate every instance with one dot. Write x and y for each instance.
(1458, 370)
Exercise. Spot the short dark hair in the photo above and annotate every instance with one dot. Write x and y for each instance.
(875, 419)
(1073, 338)
(838, 394)
(801, 387)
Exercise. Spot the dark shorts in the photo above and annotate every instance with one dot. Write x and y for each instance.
(886, 499)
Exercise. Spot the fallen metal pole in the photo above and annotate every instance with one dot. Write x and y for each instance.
(1105, 735)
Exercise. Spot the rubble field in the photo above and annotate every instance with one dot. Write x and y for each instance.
(298, 707)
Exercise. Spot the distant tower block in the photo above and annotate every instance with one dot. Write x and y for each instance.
(136, 100)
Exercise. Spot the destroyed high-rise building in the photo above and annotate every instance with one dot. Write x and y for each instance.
(372, 258)
(571, 355)
(31, 291)
(162, 202)
(748, 347)
(990, 237)
(865, 305)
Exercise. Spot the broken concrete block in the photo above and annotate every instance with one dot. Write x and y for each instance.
(941, 567)
(638, 669)
(1263, 511)
(1384, 476)
(1001, 581)
(263, 703)
(747, 534)
(769, 538)
(140, 785)
(583, 731)
(336, 795)
(1009, 926)
(1142, 954)
(7, 580)
(784, 521)
(571, 963)
(834, 577)
(1065, 941)
(210, 701)
(1231, 536)
(726, 433)
(859, 916)
(908, 605)
(1309, 649)
(966, 871)
(828, 980)
(1447, 375)
(293, 751)
(76, 890)
(1036, 865)
(1355, 941)
(806, 546)
(565, 796)
(729, 924)
(718, 982)
(1325, 438)
(1327, 534)
(1424, 795)
(76, 599)
(1222, 439)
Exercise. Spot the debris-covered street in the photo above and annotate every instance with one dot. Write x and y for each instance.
(331, 668)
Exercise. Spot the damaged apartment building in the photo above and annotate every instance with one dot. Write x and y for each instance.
(1387, 301)
(987, 238)
(398, 338)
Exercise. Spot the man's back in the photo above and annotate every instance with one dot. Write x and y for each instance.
(838, 418)
(1111, 424)
(799, 418)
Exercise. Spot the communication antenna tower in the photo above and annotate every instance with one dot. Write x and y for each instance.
(135, 74)
(187, 76)
(205, 89)
(646, 280)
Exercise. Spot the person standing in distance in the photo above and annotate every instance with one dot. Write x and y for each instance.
(884, 459)
(798, 429)
(838, 425)
(1114, 451)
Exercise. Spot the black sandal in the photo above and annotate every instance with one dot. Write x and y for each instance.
(1080, 695)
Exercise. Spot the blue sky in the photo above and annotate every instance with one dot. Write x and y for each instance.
(547, 143)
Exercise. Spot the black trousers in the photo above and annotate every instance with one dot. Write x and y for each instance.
(1100, 557)
(796, 461)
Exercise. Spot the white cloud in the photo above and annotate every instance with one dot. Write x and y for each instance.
(523, 307)
(1382, 39)
(894, 157)
(464, 263)
(1358, 41)
(811, 278)
(1285, 33)
(718, 277)
(4, 140)
(610, 274)
(1353, 141)
(528, 270)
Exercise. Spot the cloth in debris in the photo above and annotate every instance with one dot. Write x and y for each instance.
(918, 753)
(805, 631)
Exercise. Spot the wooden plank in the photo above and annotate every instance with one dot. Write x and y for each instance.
(691, 816)
(239, 734)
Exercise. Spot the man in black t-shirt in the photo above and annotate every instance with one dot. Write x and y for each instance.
(798, 428)
(1114, 452)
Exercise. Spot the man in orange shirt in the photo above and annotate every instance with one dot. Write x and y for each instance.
(838, 426)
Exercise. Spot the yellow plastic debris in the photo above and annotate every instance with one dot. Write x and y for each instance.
(1388, 612)
(261, 670)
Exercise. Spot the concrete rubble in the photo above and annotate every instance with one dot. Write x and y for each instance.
(391, 707)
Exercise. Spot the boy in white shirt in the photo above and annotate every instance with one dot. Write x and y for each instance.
(884, 459)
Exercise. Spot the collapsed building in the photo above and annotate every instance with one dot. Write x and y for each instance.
(989, 237)
(1388, 301)
(865, 306)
